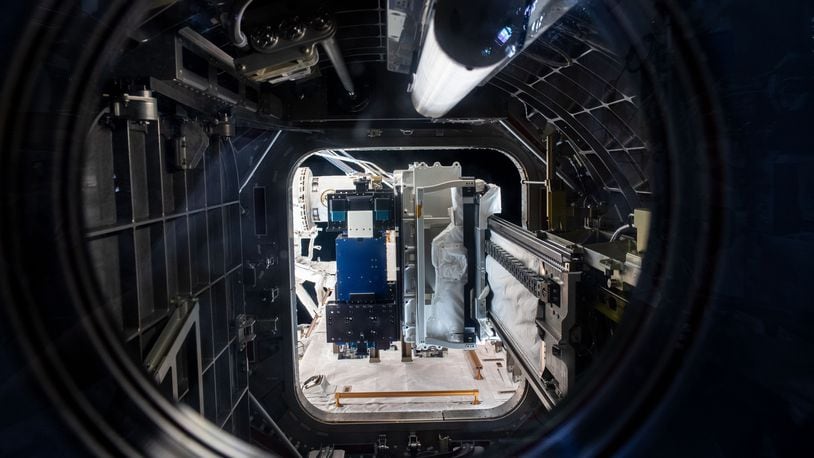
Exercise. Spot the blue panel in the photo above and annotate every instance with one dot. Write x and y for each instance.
(361, 267)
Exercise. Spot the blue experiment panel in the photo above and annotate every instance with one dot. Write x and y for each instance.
(361, 269)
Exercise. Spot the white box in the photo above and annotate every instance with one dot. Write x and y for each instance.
(360, 224)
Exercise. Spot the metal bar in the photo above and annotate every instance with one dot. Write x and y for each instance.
(474, 364)
(407, 394)
(208, 47)
(234, 407)
(533, 151)
(172, 332)
(333, 52)
(481, 287)
(313, 326)
(309, 304)
(273, 424)
(211, 363)
(147, 222)
(552, 213)
(420, 300)
(260, 138)
(471, 205)
(215, 280)
(545, 249)
(448, 184)
(260, 161)
(163, 356)
(534, 379)
(549, 161)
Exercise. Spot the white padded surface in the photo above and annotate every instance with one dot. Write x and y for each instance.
(452, 372)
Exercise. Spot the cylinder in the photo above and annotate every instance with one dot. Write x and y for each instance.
(332, 50)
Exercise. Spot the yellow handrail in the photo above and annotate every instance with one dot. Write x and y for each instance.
(474, 364)
(406, 394)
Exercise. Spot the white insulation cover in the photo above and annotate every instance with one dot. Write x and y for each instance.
(513, 304)
(452, 372)
(445, 315)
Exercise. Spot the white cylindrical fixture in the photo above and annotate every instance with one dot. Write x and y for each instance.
(440, 81)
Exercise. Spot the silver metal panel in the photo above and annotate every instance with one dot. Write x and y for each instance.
(557, 262)
(402, 24)
(162, 360)
(418, 228)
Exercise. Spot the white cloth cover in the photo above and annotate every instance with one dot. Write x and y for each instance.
(490, 204)
(445, 314)
(513, 304)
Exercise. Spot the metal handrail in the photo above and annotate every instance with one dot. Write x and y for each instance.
(406, 394)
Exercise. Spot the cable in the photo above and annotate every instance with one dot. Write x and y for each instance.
(238, 37)
(367, 167)
(619, 231)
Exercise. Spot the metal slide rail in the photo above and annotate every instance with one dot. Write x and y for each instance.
(543, 288)
(551, 253)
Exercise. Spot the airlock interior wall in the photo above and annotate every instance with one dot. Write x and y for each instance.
(268, 274)
(584, 77)
(158, 235)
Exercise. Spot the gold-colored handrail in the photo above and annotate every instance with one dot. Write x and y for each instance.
(474, 364)
(406, 394)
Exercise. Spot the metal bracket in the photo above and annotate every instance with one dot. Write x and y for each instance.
(245, 330)
(189, 142)
(413, 444)
(140, 106)
(545, 289)
(381, 445)
(223, 126)
(283, 53)
(471, 325)
(163, 357)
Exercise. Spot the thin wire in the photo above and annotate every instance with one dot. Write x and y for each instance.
(254, 169)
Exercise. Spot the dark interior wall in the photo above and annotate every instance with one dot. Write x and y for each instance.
(158, 235)
(584, 76)
(752, 336)
(164, 234)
